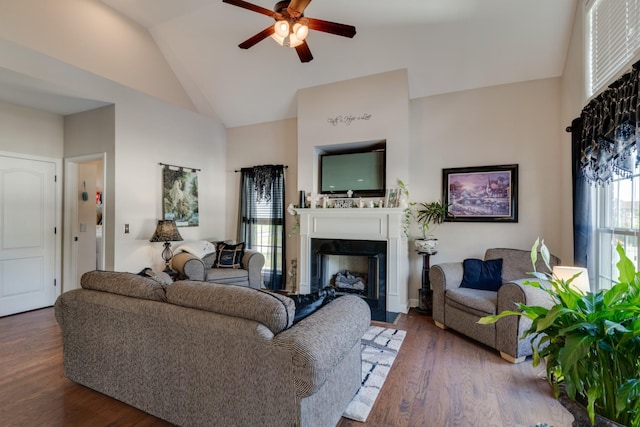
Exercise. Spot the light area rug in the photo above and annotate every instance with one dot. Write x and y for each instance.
(380, 347)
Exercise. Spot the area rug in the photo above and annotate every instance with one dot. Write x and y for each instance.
(380, 347)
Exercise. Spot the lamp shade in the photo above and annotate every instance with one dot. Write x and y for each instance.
(166, 231)
(565, 273)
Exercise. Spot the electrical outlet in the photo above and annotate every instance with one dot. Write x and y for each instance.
(126, 229)
(83, 228)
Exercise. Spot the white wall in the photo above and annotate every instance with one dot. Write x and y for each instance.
(29, 131)
(146, 131)
(384, 98)
(93, 37)
(510, 124)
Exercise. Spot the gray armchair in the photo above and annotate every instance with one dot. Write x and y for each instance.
(192, 267)
(461, 308)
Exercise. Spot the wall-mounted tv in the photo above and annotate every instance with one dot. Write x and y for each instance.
(361, 172)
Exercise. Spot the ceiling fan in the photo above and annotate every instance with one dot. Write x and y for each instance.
(291, 27)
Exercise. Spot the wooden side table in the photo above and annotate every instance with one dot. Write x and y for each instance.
(425, 293)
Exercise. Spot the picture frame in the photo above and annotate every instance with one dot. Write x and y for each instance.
(481, 194)
(180, 196)
(392, 198)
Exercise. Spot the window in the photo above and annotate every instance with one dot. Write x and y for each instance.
(613, 37)
(618, 221)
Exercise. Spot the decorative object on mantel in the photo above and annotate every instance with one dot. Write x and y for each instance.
(180, 195)
(343, 203)
(392, 199)
(166, 231)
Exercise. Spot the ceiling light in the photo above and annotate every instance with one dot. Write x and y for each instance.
(300, 31)
(281, 28)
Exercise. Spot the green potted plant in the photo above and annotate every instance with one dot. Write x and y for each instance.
(427, 216)
(590, 342)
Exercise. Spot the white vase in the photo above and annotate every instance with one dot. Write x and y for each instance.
(429, 246)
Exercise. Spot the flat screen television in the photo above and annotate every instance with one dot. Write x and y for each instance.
(361, 172)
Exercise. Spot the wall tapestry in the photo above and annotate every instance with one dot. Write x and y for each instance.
(480, 194)
(180, 195)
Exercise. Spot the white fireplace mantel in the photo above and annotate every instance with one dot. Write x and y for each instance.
(360, 224)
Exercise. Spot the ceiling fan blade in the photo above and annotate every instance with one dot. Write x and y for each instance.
(304, 53)
(257, 38)
(299, 5)
(252, 7)
(332, 27)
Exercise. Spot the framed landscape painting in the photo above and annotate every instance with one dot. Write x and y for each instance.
(481, 194)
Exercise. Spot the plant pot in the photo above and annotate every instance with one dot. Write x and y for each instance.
(580, 414)
(429, 246)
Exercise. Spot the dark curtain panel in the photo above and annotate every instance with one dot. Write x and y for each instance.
(261, 222)
(583, 215)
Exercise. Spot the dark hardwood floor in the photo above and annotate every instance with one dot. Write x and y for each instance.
(438, 379)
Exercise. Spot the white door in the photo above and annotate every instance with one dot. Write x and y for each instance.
(27, 234)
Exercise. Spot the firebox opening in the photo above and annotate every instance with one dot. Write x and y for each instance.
(352, 267)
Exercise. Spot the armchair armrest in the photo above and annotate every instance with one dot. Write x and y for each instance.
(253, 261)
(442, 277)
(188, 266)
(509, 330)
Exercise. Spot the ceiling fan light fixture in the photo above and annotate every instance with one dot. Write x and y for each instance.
(281, 28)
(300, 31)
(294, 41)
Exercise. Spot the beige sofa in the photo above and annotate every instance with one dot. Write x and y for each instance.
(204, 354)
(191, 267)
(461, 308)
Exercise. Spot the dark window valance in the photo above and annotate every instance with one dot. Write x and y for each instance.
(608, 142)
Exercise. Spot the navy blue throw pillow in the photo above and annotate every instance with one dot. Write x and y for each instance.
(483, 275)
(228, 255)
(308, 303)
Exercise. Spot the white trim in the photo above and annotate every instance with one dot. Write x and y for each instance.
(70, 203)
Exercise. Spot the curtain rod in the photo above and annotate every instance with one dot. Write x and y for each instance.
(180, 167)
(284, 166)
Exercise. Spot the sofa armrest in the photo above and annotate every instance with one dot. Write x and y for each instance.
(509, 330)
(442, 277)
(188, 266)
(319, 342)
(253, 261)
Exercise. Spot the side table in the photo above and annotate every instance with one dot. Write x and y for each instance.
(425, 293)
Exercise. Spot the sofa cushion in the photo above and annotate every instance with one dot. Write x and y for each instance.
(229, 255)
(479, 302)
(128, 284)
(273, 310)
(484, 275)
(224, 275)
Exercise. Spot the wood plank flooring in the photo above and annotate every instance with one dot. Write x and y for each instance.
(439, 379)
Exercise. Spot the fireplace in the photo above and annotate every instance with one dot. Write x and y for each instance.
(357, 267)
(360, 241)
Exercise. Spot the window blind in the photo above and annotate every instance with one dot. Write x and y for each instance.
(613, 37)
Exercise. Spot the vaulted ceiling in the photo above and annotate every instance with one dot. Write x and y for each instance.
(446, 45)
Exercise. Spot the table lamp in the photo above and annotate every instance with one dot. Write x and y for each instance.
(166, 231)
(565, 273)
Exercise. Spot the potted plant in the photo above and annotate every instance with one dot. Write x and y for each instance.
(426, 215)
(590, 342)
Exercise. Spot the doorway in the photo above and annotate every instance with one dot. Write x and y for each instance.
(84, 224)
